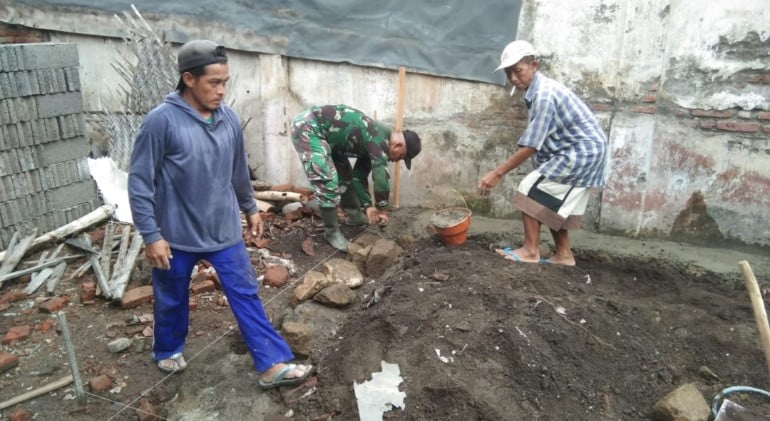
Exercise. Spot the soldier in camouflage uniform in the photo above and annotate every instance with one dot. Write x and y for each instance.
(325, 137)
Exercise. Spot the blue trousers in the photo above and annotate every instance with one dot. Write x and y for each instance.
(171, 289)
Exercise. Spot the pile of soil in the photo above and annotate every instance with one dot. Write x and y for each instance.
(475, 337)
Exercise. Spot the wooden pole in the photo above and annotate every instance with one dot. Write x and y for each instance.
(50, 387)
(759, 308)
(399, 127)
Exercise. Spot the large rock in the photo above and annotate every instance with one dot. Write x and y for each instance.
(358, 255)
(686, 403)
(337, 295)
(297, 335)
(341, 271)
(382, 256)
(365, 240)
(321, 320)
(312, 283)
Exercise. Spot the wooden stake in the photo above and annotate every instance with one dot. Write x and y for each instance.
(50, 387)
(399, 127)
(120, 280)
(759, 308)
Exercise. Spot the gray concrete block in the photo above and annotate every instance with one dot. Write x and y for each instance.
(35, 181)
(59, 104)
(4, 135)
(44, 82)
(79, 124)
(25, 108)
(61, 80)
(5, 220)
(66, 128)
(8, 87)
(5, 191)
(10, 58)
(4, 58)
(34, 86)
(84, 173)
(52, 129)
(5, 112)
(25, 133)
(28, 159)
(49, 55)
(23, 85)
(64, 196)
(73, 79)
(73, 149)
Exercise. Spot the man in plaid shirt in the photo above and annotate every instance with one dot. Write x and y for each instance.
(568, 149)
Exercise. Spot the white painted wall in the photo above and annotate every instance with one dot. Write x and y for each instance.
(611, 52)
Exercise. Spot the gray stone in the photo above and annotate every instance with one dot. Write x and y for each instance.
(686, 403)
(358, 255)
(382, 256)
(312, 282)
(341, 271)
(297, 335)
(119, 345)
(337, 295)
(365, 240)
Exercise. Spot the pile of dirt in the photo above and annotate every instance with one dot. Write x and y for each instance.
(475, 337)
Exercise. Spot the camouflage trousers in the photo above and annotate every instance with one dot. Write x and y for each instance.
(329, 173)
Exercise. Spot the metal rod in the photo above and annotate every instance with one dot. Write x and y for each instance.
(79, 395)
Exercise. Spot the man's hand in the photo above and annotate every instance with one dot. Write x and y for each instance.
(488, 182)
(159, 254)
(376, 216)
(254, 228)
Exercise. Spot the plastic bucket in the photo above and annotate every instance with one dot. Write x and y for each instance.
(451, 225)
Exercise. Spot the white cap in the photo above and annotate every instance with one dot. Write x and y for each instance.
(514, 52)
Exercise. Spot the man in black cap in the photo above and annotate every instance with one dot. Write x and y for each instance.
(325, 137)
(188, 183)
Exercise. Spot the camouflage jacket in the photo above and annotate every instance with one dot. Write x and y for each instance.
(351, 133)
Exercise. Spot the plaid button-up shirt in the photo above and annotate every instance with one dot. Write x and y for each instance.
(571, 147)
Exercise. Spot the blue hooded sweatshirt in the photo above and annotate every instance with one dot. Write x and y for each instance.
(188, 179)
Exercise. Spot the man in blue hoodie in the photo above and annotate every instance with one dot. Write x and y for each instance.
(187, 184)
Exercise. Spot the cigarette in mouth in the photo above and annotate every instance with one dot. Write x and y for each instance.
(513, 90)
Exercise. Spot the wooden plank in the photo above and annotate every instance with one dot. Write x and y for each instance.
(106, 256)
(125, 239)
(120, 282)
(57, 274)
(96, 216)
(18, 251)
(36, 268)
(50, 387)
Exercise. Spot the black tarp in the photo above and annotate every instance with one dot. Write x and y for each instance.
(456, 38)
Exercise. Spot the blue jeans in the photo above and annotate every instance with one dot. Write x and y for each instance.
(239, 281)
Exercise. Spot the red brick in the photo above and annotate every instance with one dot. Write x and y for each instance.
(87, 291)
(192, 304)
(8, 361)
(752, 78)
(713, 113)
(12, 297)
(54, 305)
(136, 297)
(601, 107)
(645, 109)
(766, 78)
(146, 411)
(45, 326)
(733, 126)
(20, 414)
(682, 112)
(100, 383)
(15, 334)
(201, 287)
(4, 306)
(276, 276)
(707, 124)
(649, 98)
(763, 115)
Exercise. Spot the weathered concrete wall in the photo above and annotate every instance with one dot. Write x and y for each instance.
(681, 89)
(44, 180)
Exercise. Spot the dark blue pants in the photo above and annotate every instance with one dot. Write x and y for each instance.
(239, 281)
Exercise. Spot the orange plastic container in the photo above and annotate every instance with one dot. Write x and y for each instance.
(452, 225)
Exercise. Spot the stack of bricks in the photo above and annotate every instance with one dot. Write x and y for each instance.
(44, 179)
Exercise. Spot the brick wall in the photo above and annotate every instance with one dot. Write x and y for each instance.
(44, 180)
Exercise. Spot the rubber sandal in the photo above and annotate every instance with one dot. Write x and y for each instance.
(280, 379)
(174, 364)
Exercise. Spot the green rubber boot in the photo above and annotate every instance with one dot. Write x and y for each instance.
(332, 229)
(352, 208)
